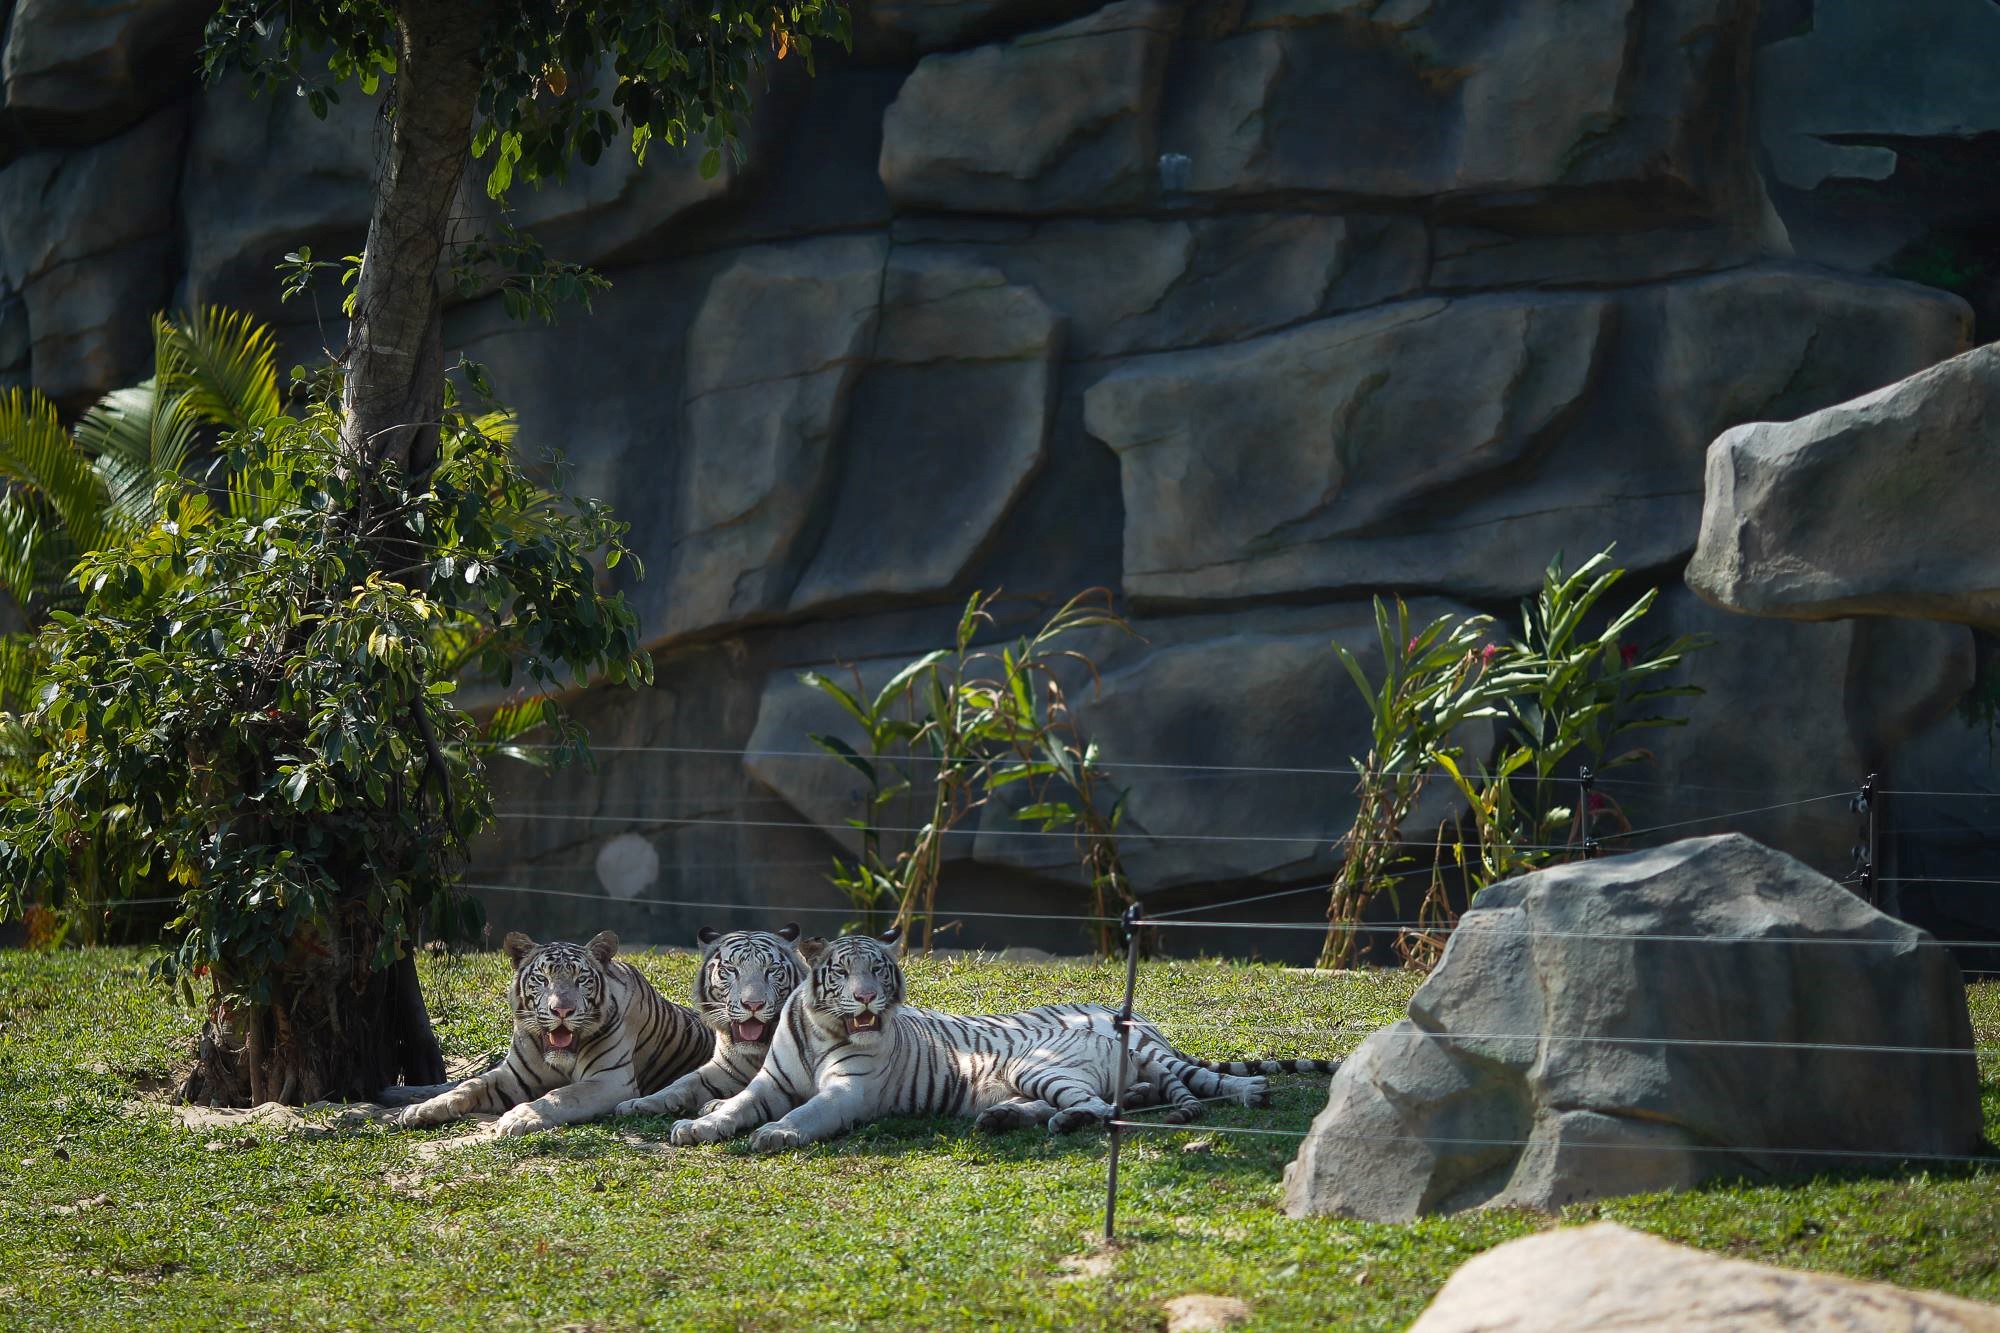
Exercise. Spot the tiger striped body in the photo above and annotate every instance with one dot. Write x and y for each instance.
(849, 1050)
(740, 989)
(1103, 1019)
(589, 1032)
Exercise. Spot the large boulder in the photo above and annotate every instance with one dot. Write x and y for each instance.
(91, 273)
(1792, 711)
(945, 430)
(1078, 102)
(1839, 98)
(76, 73)
(262, 177)
(1581, 1279)
(781, 337)
(1879, 506)
(1621, 109)
(1546, 420)
(1147, 285)
(1710, 1008)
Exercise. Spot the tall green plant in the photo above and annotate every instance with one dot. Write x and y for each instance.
(1579, 694)
(1435, 679)
(953, 726)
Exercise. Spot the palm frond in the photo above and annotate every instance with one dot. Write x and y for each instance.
(37, 453)
(20, 668)
(227, 364)
(142, 438)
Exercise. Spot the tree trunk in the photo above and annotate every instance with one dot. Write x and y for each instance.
(335, 1029)
(395, 351)
(334, 1026)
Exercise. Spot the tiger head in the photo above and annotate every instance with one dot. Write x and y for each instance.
(857, 983)
(561, 993)
(744, 980)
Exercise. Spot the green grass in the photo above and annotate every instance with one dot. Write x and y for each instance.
(111, 1217)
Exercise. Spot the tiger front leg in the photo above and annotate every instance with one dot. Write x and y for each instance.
(726, 1121)
(475, 1096)
(820, 1117)
(567, 1105)
(690, 1092)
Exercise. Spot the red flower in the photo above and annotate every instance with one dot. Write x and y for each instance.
(1597, 802)
(1628, 652)
(1488, 653)
(1411, 646)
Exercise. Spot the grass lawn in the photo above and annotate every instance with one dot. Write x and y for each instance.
(111, 1217)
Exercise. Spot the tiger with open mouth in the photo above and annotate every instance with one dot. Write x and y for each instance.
(848, 1049)
(589, 1032)
(741, 987)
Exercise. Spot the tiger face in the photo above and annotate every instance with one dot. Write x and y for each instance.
(857, 982)
(559, 993)
(745, 978)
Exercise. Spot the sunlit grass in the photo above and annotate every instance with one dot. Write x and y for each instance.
(111, 1217)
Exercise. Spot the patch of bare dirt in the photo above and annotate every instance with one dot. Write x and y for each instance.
(1199, 1312)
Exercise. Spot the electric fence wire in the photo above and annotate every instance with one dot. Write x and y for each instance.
(1862, 1154)
(726, 752)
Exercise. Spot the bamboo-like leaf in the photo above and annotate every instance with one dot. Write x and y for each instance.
(833, 690)
(900, 681)
(846, 753)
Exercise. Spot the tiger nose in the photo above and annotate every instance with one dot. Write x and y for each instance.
(865, 994)
(754, 1006)
(561, 1010)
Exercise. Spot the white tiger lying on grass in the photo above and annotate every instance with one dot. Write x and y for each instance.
(740, 989)
(589, 1032)
(848, 1050)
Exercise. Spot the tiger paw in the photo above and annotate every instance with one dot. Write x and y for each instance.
(653, 1105)
(1000, 1119)
(689, 1133)
(412, 1117)
(523, 1119)
(1073, 1119)
(775, 1138)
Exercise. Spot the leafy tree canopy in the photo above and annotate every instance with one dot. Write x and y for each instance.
(559, 78)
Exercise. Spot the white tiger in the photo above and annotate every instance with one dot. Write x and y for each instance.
(589, 1032)
(848, 1050)
(740, 989)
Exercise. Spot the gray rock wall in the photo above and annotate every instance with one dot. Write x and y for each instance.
(1246, 309)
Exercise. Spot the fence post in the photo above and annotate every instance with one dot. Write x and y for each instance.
(1586, 779)
(1130, 922)
(1866, 805)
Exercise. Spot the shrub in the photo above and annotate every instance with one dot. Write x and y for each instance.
(254, 703)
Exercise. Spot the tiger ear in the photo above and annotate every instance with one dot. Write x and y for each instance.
(811, 949)
(707, 935)
(603, 946)
(517, 946)
(891, 935)
(789, 932)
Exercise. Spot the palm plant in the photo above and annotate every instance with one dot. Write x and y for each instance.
(68, 491)
(65, 492)
(153, 451)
